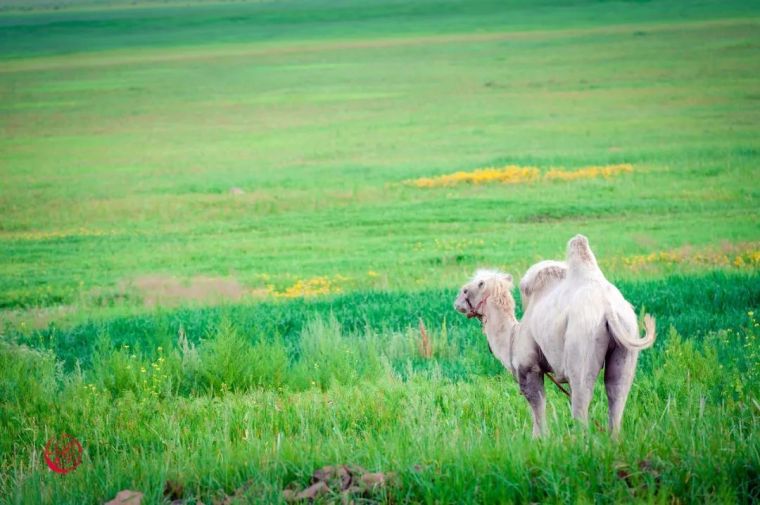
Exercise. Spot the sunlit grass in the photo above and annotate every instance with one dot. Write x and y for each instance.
(84, 210)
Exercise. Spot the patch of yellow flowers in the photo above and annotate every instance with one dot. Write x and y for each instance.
(515, 174)
(742, 256)
(606, 171)
(314, 286)
(510, 174)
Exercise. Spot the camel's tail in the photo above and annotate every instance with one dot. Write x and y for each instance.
(623, 337)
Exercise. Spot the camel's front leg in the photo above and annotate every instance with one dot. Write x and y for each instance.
(532, 387)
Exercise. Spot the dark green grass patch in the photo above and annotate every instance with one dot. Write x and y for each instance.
(109, 25)
(693, 305)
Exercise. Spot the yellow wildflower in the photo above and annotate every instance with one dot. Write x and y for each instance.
(591, 172)
(509, 174)
(314, 286)
(515, 174)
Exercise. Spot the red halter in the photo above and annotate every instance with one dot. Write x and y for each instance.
(475, 311)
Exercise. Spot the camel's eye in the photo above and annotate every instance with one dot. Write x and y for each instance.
(480, 284)
(464, 291)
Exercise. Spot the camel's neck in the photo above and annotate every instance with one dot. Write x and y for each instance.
(500, 328)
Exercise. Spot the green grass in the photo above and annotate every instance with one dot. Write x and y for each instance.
(133, 150)
(693, 305)
(249, 402)
(124, 127)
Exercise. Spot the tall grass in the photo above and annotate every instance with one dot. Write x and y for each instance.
(688, 434)
(227, 408)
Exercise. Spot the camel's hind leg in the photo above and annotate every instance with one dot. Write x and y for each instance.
(583, 362)
(581, 392)
(619, 370)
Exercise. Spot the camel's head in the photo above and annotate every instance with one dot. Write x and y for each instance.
(484, 286)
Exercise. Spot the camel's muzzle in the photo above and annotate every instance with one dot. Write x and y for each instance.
(471, 312)
(463, 305)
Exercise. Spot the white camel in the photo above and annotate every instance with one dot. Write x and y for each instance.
(575, 323)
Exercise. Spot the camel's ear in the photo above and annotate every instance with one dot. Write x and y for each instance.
(508, 278)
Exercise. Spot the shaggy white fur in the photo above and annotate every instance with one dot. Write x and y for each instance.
(575, 323)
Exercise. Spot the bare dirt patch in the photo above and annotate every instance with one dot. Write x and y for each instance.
(166, 290)
(34, 318)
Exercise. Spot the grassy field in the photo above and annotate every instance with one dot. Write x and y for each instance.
(221, 223)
